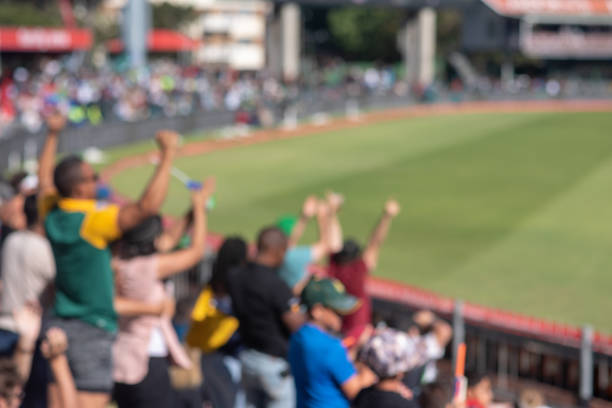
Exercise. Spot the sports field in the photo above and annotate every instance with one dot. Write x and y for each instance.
(507, 210)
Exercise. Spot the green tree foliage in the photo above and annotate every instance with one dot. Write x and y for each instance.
(16, 14)
(168, 16)
(367, 32)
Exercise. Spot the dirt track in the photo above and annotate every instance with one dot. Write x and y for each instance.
(268, 135)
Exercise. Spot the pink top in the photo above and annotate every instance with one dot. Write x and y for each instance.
(136, 279)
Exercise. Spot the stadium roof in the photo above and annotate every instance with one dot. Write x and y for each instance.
(519, 8)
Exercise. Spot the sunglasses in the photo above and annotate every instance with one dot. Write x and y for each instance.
(92, 179)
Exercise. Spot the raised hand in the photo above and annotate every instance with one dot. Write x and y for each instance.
(54, 344)
(56, 122)
(209, 186)
(335, 201)
(392, 208)
(167, 140)
(309, 208)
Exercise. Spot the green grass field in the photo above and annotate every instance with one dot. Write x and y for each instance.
(507, 210)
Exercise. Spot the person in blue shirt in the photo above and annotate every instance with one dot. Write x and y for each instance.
(324, 375)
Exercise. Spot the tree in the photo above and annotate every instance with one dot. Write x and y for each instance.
(171, 17)
(367, 32)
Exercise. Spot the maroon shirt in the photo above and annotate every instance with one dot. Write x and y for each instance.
(353, 276)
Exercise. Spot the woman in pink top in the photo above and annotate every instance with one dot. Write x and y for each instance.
(145, 342)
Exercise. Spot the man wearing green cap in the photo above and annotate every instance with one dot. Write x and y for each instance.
(324, 375)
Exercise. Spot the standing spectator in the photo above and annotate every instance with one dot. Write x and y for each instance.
(79, 229)
(324, 375)
(214, 330)
(351, 266)
(28, 268)
(145, 342)
(268, 313)
(390, 354)
(480, 391)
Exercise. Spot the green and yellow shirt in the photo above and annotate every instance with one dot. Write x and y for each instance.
(79, 232)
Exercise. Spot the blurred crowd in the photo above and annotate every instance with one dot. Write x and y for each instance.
(94, 95)
(87, 313)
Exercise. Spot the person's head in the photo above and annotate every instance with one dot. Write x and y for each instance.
(479, 388)
(231, 254)
(271, 246)
(327, 300)
(74, 178)
(350, 251)
(30, 209)
(390, 354)
(11, 386)
(439, 394)
(140, 240)
(531, 398)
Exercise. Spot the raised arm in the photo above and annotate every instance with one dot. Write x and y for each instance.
(170, 238)
(334, 229)
(309, 209)
(372, 251)
(153, 197)
(175, 262)
(46, 163)
(54, 348)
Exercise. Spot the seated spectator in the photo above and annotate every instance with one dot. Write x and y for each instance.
(144, 342)
(324, 375)
(268, 313)
(531, 398)
(294, 270)
(80, 229)
(28, 269)
(390, 354)
(351, 266)
(214, 330)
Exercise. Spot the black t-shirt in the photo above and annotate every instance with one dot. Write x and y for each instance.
(373, 397)
(259, 299)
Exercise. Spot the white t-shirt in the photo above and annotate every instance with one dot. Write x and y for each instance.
(27, 268)
(157, 344)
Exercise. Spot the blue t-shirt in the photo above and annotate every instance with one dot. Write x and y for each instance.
(320, 365)
(295, 265)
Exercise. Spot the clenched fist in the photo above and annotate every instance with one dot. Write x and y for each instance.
(167, 140)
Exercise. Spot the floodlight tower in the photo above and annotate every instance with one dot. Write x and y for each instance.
(136, 24)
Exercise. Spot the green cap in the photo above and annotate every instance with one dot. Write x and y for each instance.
(329, 293)
(286, 223)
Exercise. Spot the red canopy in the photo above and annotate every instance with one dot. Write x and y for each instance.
(40, 39)
(159, 41)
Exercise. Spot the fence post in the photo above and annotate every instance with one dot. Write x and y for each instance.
(458, 329)
(586, 366)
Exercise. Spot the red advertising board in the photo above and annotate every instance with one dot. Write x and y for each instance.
(39, 39)
(551, 7)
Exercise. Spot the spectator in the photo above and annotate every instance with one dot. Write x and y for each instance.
(79, 230)
(324, 375)
(28, 269)
(11, 211)
(390, 354)
(268, 313)
(214, 330)
(434, 335)
(351, 266)
(480, 392)
(144, 342)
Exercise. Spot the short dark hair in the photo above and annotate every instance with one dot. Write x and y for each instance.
(9, 377)
(30, 208)
(350, 251)
(437, 394)
(16, 180)
(67, 173)
(271, 238)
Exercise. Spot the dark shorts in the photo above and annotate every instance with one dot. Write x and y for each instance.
(154, 391)
(8, 343)
(89, 354)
